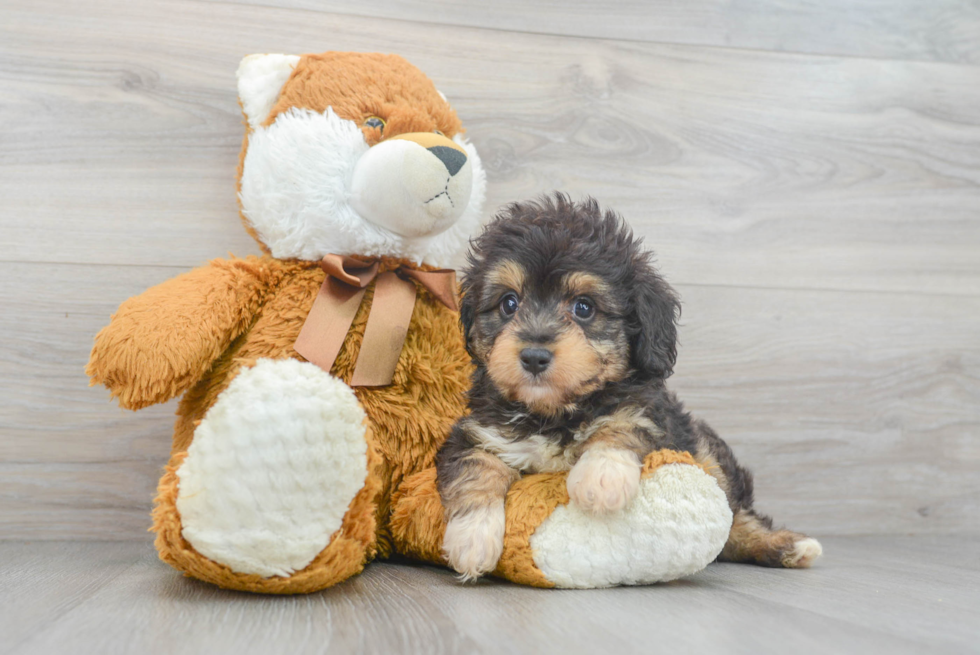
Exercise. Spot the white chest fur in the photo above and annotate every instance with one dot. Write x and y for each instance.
(534, 454)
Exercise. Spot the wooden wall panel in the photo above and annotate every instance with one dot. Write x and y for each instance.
(937, 30)
(819, 214)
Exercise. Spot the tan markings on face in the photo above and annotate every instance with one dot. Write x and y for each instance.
(623, 429)
(615, 358)
(584, 284)
(504, 362)
(483, 479)
(507, 274)
(575, 370)
(481, 342)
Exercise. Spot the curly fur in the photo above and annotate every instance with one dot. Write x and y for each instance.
(538, 252)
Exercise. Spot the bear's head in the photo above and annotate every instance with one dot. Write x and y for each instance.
(354, 154)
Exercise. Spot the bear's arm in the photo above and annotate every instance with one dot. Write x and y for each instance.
(159, 343)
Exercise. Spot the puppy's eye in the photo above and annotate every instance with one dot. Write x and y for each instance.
(509, 304)
(583, 308)
(438, 132)
(376, 122)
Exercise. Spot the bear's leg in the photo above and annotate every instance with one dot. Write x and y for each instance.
(278, 490)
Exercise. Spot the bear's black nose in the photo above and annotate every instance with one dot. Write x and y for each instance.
(535, 360)
(452, 158)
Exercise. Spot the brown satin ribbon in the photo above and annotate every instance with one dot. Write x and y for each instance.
(336, 304)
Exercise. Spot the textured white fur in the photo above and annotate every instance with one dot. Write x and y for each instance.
(539, 453)
(676, 525)
(535, 454)
(273, 468)
(296, 190)
(474, 541)
(604, 480)
(260, 79)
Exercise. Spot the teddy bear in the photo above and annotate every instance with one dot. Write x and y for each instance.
(317, 381)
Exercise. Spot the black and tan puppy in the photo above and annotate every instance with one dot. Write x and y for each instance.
(573, 334)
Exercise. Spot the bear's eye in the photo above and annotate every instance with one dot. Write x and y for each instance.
(376, 122)
(509, 304)
(438, 132)
(583, 308)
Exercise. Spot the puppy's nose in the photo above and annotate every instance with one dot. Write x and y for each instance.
(452, 158)
(535, 360)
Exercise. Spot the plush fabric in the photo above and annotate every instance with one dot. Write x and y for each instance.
(305, 165)
(260, 78)
(294, 436)
(680, 516)
(282, 477)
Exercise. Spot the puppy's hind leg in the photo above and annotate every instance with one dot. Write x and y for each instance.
(752, 539)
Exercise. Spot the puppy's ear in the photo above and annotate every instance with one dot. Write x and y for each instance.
(655, 310)
(469, 291)
(467, 312)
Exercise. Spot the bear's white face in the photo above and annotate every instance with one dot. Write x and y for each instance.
(311, 185)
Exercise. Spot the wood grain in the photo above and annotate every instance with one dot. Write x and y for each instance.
(742, 167)
(819, 214)
(858, 412)
(938, 30)
(882, 594)
(41, 582)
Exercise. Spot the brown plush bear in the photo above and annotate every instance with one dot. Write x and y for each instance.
(320, 379)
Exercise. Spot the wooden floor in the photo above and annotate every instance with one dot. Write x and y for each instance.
(870, 595)
(808, 173)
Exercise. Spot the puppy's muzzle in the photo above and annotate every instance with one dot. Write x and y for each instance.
(536, 360)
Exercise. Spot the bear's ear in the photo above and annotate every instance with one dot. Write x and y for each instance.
(260, 79)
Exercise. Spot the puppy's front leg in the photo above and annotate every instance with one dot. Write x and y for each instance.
(606, 477)
(473, 485)
(604, 480)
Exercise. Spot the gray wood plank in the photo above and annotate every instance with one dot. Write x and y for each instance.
(53, 313)
(91, 500)
(938, 30)
(40, 582)
(904, 587)
(743, 167)
(853, 410)
(858, 412)
(861, 598)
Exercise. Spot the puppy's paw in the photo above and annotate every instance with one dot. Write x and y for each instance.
(474, 541)
(802, 554)
(604, 480)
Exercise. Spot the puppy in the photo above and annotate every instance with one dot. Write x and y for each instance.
(573, 334)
